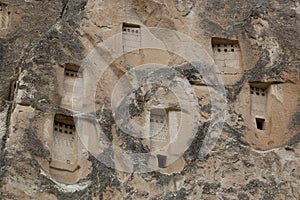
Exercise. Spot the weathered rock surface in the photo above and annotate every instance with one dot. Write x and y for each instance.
(45, 39)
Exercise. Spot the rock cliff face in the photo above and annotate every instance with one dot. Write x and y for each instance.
(149, 99)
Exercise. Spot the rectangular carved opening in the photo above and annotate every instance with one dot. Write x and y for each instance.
(64, 155)
(72, 70)
(227, 55)
(258, 94)
(257, 91)
(260, 123)
(68, 159)
(131, 36)
(72, 86)
(259, 100)
(64, 151)
(158, 124)
(162, 161)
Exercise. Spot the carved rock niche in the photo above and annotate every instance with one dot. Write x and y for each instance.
(68, 160)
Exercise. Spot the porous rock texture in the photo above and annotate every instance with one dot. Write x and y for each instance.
(43, 37)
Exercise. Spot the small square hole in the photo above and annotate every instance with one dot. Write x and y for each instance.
(162, 161)
(260, 123)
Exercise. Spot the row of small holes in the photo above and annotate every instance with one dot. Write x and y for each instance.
(151, 120)
(70, 127)
(128, 30)
(257, 91)
(64, 125)
(60, 130)
(157, 116)
(225, 45)
(225, 50)
(72, 74)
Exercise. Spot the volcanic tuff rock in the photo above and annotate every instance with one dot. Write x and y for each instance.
(46, 45)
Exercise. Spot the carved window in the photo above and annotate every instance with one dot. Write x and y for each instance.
(64, 151)
(68, 159)
(260, 123)
(158, 124)
(162, 161)
(64, 128)
(72, 71)
(4, 16)
(164, 125)
(131, 36)
(72, 85)
(258, 95)
(227, 55)
(257, 91)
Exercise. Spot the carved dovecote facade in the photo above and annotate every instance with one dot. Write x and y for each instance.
(159, 129)
(72, 87)
(228, 58)
(131, 36)
(64, 159)
(259, 110)
(164, 126)
(68, 161)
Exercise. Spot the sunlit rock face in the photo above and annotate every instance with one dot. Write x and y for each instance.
(149, 99)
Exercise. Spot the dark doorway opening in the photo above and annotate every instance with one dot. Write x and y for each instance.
(162, 161)
(260, 123)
